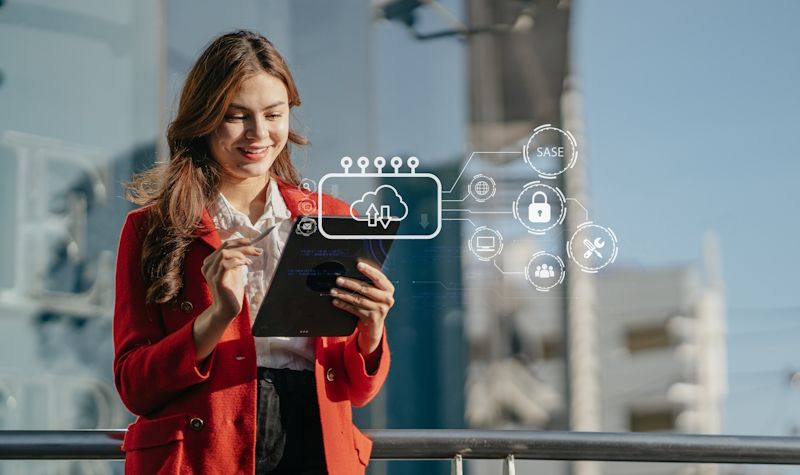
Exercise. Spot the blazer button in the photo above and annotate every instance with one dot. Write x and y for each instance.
(196, 423)
(329, 374)
(186, 306)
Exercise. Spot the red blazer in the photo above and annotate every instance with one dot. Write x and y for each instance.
(202, 420)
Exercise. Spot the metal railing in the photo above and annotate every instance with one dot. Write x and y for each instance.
(457, 445)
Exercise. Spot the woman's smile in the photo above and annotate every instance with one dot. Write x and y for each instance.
(254, 153)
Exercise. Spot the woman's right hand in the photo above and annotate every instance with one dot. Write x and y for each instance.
(223, 272)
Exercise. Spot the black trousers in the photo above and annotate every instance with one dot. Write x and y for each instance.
(289, 433)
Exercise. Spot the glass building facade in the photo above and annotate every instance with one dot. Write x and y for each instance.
(86, 91)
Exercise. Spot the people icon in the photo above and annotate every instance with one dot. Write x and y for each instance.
(544, 271)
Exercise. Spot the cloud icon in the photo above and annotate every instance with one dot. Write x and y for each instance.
(383, 205)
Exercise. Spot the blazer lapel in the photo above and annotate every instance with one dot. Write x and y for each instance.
(208, 232)
(299, 202)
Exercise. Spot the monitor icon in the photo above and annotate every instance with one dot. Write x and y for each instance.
(485, 243)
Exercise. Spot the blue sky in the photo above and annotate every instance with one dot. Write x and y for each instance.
(692, 112)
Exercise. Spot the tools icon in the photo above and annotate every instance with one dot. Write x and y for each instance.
(585, 244)
(592, 247)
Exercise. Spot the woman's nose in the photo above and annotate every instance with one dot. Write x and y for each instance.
(260, 129)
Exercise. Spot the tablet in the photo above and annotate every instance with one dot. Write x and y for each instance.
(298, 301)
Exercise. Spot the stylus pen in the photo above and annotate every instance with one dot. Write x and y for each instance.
(264, 234)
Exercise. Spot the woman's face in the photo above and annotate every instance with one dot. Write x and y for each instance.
(255, 129)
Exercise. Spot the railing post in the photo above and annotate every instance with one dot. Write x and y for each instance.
(457, 466)
(508, 465)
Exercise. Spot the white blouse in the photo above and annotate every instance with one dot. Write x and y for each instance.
(273, 352)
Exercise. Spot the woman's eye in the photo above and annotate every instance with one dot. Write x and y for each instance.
(232, 118)
(273, 116)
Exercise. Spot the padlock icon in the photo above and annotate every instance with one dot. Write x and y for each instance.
(539, 212)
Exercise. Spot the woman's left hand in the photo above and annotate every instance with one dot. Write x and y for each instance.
(369, 302)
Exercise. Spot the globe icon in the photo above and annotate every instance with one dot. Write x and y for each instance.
(481, 187)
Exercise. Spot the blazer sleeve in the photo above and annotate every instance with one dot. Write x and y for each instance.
(150, 366)
(363, 385)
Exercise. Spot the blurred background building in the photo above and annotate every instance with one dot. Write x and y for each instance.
(78, 114)
(661, 357)
(87, 89)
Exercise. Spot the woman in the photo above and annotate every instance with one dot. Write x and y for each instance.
(210, 397)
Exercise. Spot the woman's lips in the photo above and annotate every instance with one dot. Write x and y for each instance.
(253, 153)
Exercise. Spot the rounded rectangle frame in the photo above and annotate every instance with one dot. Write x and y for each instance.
(434, 178)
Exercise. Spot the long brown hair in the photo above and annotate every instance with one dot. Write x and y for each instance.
(178, 191)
